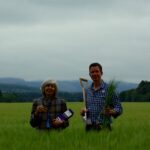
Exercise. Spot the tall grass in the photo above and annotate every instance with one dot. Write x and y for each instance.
(131, 131)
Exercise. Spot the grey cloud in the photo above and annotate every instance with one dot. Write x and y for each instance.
(34, 11)
(62, 37)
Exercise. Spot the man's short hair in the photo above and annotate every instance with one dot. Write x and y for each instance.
(96, 64)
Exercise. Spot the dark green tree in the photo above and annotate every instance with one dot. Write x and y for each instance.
(1, 94)
(140, 94)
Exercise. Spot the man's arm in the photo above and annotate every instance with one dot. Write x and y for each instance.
(116, 106)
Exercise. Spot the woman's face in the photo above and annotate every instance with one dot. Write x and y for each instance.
(49, 90)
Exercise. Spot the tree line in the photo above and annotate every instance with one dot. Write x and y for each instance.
(140, 94)
(30, 96)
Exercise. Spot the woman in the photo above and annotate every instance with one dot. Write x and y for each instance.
(46, 109)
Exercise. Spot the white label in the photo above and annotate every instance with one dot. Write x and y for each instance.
(68, 113)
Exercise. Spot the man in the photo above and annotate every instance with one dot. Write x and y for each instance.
(96, 109)
(46, 109)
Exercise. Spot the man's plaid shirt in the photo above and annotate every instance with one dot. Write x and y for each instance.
(95, 101)
(55, 107)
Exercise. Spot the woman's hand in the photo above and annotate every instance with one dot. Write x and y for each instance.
(57, 122)
(40, 109)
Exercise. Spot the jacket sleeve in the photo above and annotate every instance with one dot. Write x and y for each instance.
(34, 120)
(64, 108)
(117, 105)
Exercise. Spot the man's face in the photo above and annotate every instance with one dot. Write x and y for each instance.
(95, 74)
(49, 90)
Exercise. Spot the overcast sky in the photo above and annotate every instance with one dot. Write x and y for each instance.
(60, 38)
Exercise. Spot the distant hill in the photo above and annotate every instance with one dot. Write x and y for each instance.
(18, 84)
(123, 86)
(20, 81)
(5, 87)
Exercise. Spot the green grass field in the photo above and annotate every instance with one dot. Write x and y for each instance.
(131, 131)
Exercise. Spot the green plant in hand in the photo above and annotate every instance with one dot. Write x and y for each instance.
(108, 102)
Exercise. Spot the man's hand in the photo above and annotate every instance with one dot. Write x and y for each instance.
(83, 111)
(109, 111)
(40, 109)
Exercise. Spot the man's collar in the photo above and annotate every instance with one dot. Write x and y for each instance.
(101, 86)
